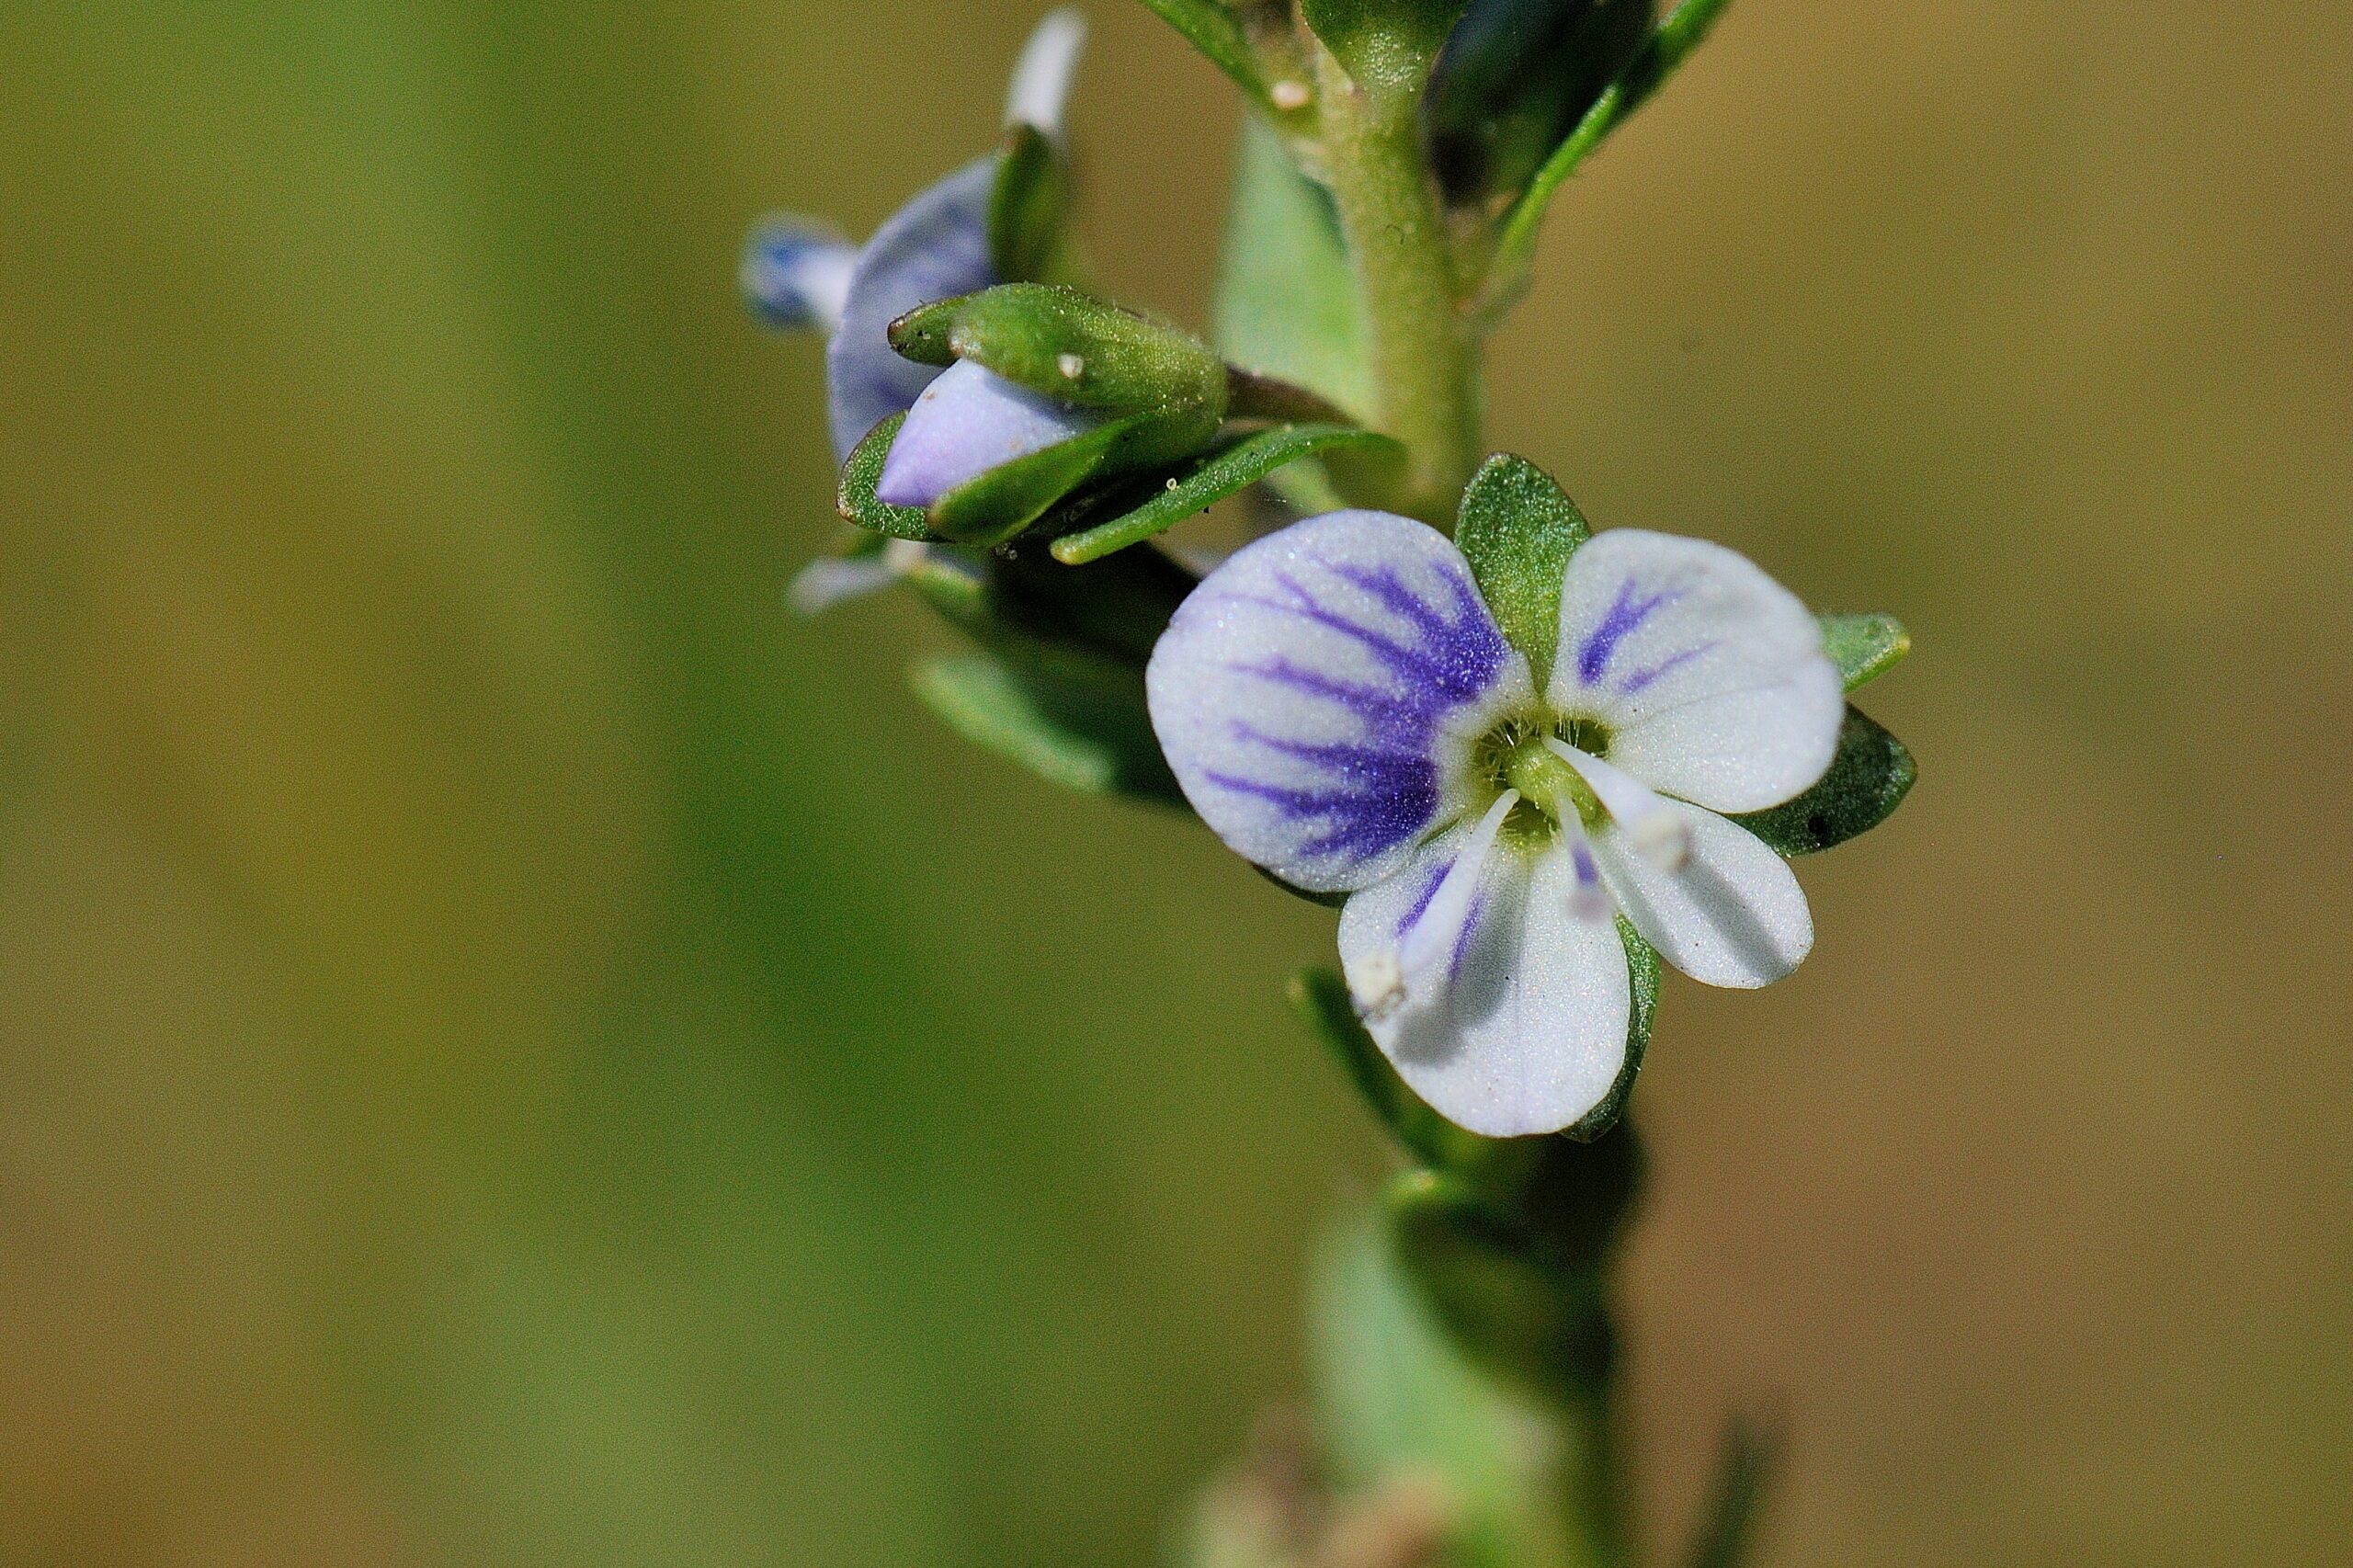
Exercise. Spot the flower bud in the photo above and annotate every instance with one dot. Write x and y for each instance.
(967, 421)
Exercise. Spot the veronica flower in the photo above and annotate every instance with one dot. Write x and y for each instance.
(1341, 709)
(801, 274)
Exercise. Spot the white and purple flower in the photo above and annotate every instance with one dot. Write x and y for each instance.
(799, 274)
(1341, 709)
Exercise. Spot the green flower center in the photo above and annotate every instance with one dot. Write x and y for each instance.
(1513, 755)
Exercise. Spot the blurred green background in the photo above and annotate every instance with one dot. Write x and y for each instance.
(515, 1050)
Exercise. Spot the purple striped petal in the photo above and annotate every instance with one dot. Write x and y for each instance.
(1709, 674)
(1317, 695)
(934, 247)
(1529, 1032)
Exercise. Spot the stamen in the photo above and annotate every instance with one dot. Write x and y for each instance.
(1426, 955)
(1588, 901)
(1651, 827)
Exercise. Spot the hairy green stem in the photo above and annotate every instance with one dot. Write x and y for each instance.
(1425, 354)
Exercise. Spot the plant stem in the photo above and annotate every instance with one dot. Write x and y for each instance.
(1424, 351)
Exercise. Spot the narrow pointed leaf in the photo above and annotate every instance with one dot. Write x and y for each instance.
(1868, 779)
(1028, 209)
(1287, 304)
(1519, 528)
(1864, 647)
(1210, 29)
(856, 500)
(1235, 469)
(1682, 32)
(1743, 1473)
(1094, 739)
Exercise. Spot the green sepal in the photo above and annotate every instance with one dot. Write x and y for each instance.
(1093, 737)
(1069, 346)
(1091, 623)
(1641, 974)
(1212, 480)
(1868, 778)
(1287, 303)
(1519, 528)
(1000, 503)
(1029, 209)
(856, 500)
(1321, 996)
(1864, 647)
(1748, 1456)
(1387, 46)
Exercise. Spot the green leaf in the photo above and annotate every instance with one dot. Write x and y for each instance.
(1094, 624)
(1515, 78)
(1642, 972)
(1864, 647)
(1094, 739)
(862, 473)
(1210, 29)
(1521, 1310)
(1119, 605)
(1748, 1458)
(1287, 303)
(1070, 345)
(1519, 528)
(1868, 779)
(1398, 1400)
(1681, 33)
(1388, 46)
(1028, 209)
(1321, 997)
(1216, 477)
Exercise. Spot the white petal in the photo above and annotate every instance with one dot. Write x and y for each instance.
(1532, 1032)
(1734, 915)
(1041, 78)
(795, 273)
(1710, 675)
(934, 247)
(968, 421)
(1317, 694)
(831, 579)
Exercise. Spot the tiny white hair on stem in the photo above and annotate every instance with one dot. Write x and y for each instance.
(1041, 78)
